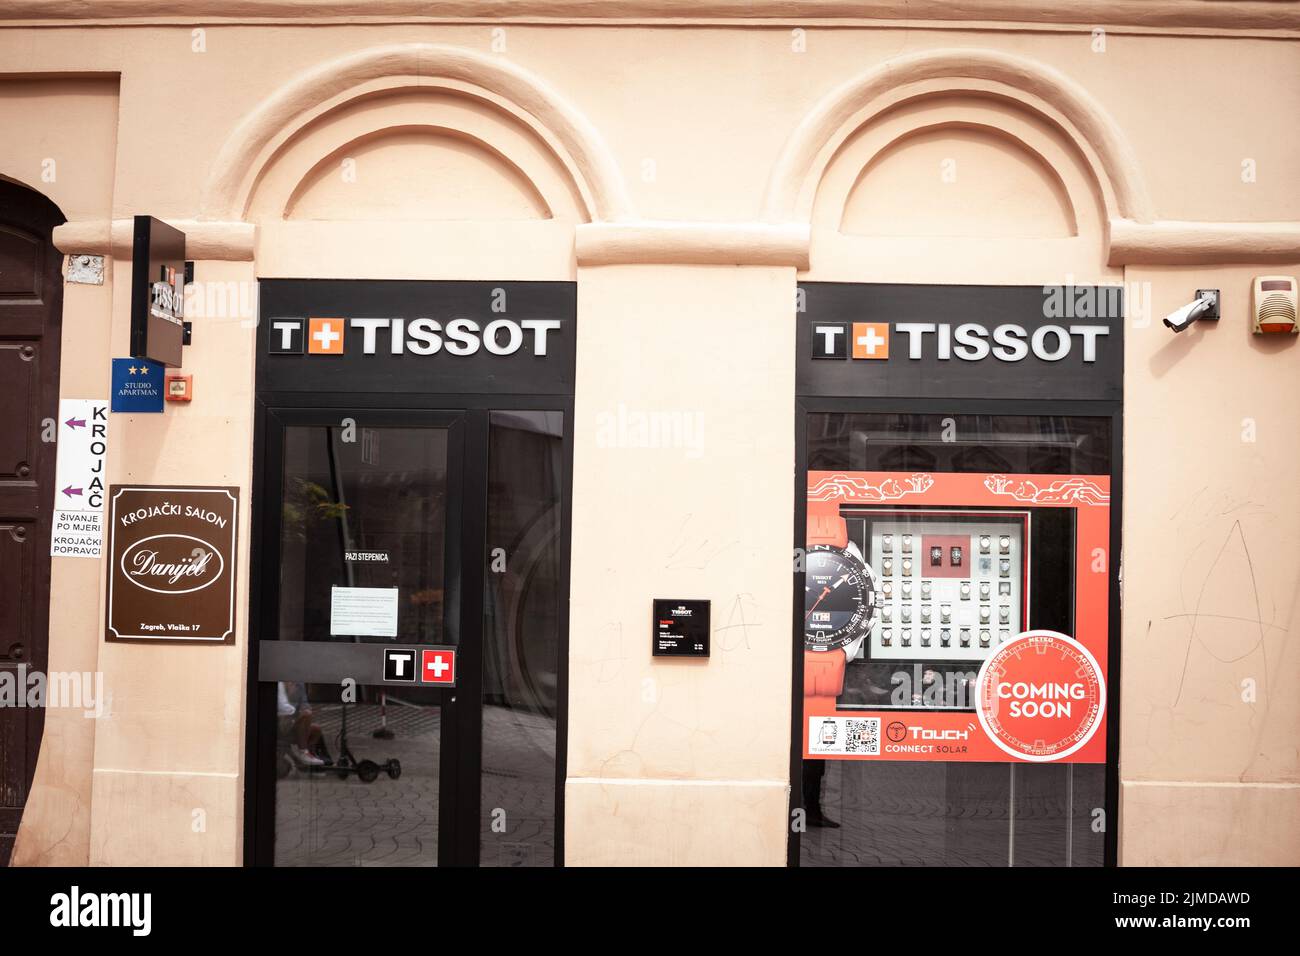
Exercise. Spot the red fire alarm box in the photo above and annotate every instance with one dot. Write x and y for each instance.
(180, 388)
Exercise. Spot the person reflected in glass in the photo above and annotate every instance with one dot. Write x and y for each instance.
(813, 772)
(297, 723)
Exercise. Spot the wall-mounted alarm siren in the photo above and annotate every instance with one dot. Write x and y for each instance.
(1274, 305)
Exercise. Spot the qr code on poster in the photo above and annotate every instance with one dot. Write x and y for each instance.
(862, 735)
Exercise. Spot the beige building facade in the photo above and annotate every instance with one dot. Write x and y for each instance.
(685, 168)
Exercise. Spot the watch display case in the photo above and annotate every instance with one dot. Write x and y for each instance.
(951, 586)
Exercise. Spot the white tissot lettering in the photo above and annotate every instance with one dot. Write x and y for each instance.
(539, 328)
(514, 337)
(971, 344)
(974, 342)
(367, 327)
(915, 336)
(462, 337)
(1089, 334)
(1009, 343)
(425, 336)
(422, 337)
(1040, 343)
(286, 330)
(829, 334)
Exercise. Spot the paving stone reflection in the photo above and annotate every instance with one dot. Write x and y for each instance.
(325, 820)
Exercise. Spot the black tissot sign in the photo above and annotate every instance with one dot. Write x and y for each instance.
(681, 628)
(415, 336)
(960, 341)
(157, 292)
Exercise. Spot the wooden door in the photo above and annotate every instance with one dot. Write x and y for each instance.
(31, 309)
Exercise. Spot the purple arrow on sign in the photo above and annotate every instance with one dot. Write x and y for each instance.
(70, 491)
(76, 423)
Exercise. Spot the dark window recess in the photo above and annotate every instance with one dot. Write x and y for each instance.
(1020, 444)
(524, 598)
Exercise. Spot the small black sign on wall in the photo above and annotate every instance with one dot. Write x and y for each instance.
(680, 628)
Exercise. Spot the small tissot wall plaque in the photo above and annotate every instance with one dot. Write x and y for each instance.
(171, 571)
(680, 628)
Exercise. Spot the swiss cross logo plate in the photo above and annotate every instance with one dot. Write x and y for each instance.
(325, 336)
(438, 667)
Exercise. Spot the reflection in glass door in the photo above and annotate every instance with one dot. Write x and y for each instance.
(387, 532)
(525, 598)
(364, 517)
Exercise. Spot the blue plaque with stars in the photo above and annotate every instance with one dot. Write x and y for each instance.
(137, 385)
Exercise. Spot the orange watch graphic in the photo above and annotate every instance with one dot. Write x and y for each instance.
(839, 604)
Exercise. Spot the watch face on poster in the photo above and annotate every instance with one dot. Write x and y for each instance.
(839, 598)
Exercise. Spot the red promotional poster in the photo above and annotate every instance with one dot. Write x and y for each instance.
(956, 617)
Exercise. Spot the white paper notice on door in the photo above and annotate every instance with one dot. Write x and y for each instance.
(363, 612)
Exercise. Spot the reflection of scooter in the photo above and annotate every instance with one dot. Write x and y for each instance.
(366, 770)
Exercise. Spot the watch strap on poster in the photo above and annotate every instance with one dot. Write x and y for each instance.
(828, 529)
(823, 673)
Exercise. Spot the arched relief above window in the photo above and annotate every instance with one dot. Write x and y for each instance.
(516, 103)
(984, 183)
(414, 154)
(1016, 81)
(416, 173)
(959, 165)
(957, 180)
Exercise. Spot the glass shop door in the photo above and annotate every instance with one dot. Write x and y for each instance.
(410, 590)
(363, 744)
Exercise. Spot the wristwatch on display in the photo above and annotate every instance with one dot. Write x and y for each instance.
(839, 604)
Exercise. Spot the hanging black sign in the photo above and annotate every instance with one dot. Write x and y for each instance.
(157, 292)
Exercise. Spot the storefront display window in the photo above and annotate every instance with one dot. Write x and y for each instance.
(914, 578)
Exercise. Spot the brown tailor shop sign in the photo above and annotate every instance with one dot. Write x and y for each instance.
(171, 573)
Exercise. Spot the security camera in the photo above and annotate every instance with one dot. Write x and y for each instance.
(1204, 306)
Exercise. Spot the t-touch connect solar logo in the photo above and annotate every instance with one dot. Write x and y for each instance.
(967, 341)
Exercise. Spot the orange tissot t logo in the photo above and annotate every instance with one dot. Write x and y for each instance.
(871, 340)
(325, 337)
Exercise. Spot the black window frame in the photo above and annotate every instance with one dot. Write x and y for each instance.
(536, 390)
(813, 398)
